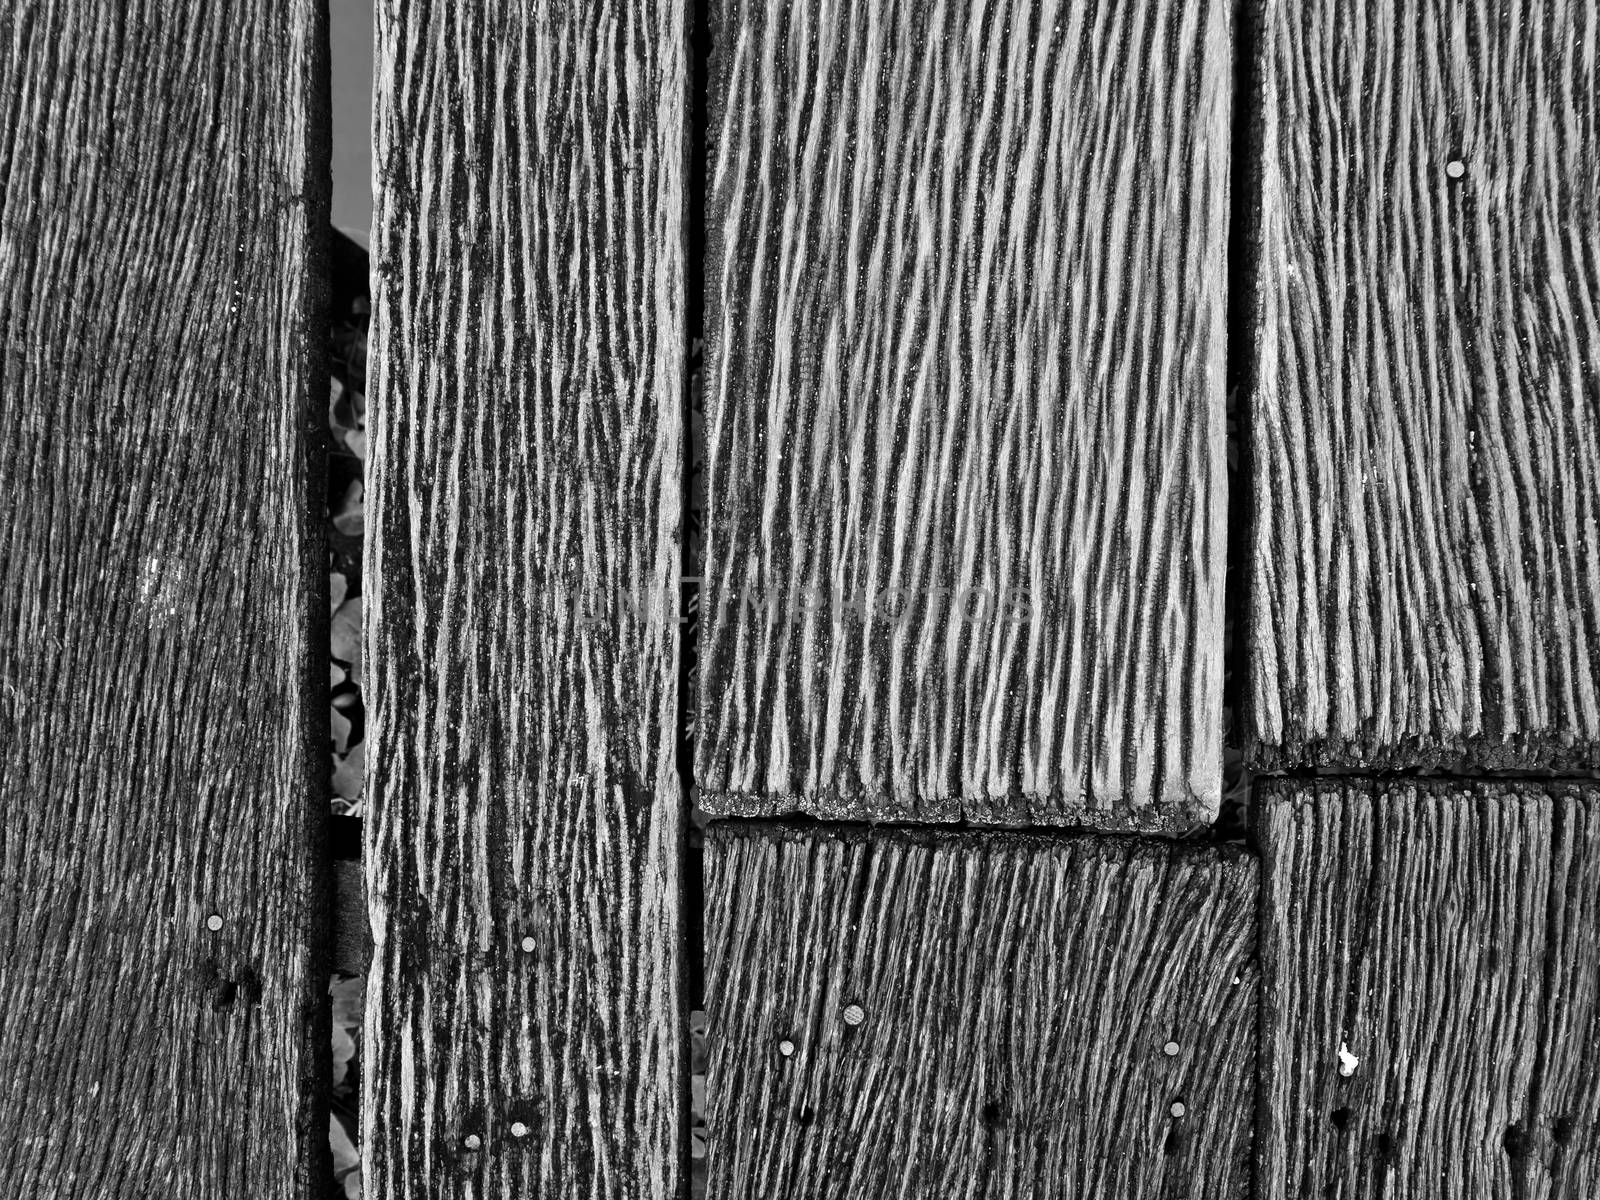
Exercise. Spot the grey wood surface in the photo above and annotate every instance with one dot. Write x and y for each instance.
(163, 679)
(1015, 1000)
(1445, 939)
(1425, 421)
(964, 281)
(525, 430)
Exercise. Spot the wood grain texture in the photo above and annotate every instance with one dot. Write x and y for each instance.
(1426, 411)
(965, 412)
(1448, 938)
(1017, 995)
(525, 434)
(163, 729)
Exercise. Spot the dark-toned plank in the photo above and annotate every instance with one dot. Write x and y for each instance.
(163, 729)
(965, 415)
(525, 430)
(1430, 992)
(1031, 1013)
(1426, 414)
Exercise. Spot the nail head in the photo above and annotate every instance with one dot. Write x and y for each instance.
(786, 1048)
(518, 1129)
(214, 922)
(854, 1014)
(1170, 1049)
(1455, 168)
(1178, 1110)
(473, 1142)
(528, 944)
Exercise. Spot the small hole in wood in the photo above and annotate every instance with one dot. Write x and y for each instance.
(992, 1113)
(1516, 1141)
(1340, 1118)
(804, 1115)
(1562, 1131)
(1383, 1146)
(1174, 1141)
(224, 993)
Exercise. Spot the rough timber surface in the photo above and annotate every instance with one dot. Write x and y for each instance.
(965, 410)
(1426, 411)
(1448, 937)
(1017, 995)
(522, 566)
(163, 736)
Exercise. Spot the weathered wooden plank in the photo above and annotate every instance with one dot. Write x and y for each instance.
(163, 728)
(1031, 1013)
(1426, 411)
(1430, 997)
(522, 563)
(965, 411)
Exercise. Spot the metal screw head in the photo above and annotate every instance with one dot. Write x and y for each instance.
(518, 1129)
(786, 1048)
(854, 1014)
(214, 922)
(1170, 1049)
(473, 1142)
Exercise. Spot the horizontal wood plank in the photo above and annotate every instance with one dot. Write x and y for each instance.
(1425, 420)
(1431, 1004)
(524, 829)
(965, 410)
(895, 1014)
(163, 600)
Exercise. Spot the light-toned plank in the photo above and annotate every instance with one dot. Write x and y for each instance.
(1032, 1012)
(163, 728)
(965, 411)
(1426, 414)
(1430, 999)
(525, 429)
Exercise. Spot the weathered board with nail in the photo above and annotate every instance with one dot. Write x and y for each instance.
(1430, 990)
(908, 1015)
(525, 433)
(965, 290)
(163, 729)
(1425, 421)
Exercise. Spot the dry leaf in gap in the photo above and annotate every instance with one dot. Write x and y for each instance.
(338, 585)
(348, 772)
(346, 1158)
(351, 514)
(335, 675)
(345, 635)
(349, 999)
(340, 725)
(357, 441)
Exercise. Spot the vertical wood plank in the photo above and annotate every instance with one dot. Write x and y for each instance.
(163, 729)
(525, 429)
(1431, 1007)
(1426, 413)
(965, 288)
(905, 1015)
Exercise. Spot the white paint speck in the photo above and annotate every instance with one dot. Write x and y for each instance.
(1347, 1061)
